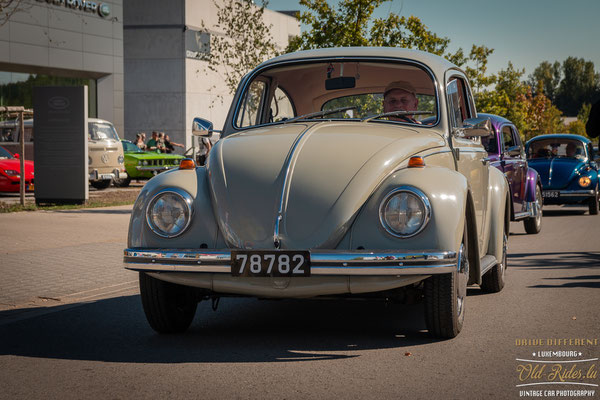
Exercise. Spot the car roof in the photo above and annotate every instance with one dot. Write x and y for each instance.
(433, 61)
(560, 136)
(497, 120)
(99, 121)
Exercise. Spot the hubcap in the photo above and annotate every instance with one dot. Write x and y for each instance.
(538, 206)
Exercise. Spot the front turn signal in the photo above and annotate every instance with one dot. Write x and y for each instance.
(187, 163)
(585, 181)
(416, 162)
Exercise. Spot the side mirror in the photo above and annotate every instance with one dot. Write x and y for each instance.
(513, 151)
(473, 127)
(17, 156)
(202, 127)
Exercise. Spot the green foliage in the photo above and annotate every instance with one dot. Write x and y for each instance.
(247, 40)
(548, 76)
(577, 127)
(579, 85)
(352, 24)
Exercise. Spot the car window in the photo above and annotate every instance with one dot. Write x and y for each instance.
(282, 92)
(507, 137)
(4, 154)
(457, 103)
(560, 147)
(128, 146)
(490, 143)
(101, 131)
(251, 106)
(281, 107)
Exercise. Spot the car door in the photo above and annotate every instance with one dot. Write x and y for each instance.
(471, 156)
(512, 165)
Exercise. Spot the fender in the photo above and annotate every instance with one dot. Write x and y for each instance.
(499, 212)
(446, 191)
(202, 231)
(532, 180)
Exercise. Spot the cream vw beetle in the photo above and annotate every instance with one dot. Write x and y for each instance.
(313, 190)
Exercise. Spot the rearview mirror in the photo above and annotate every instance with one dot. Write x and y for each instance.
(340, 82)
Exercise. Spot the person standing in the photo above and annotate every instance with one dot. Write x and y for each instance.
(152, 144)
(204, 148)
(170, 146)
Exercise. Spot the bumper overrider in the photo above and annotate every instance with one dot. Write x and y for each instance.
(355, 263)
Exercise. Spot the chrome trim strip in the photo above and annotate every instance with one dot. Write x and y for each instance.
(284, 189)
(576, 192)
(156, 168)
(322, 263)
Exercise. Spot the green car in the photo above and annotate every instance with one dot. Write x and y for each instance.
(141, 164)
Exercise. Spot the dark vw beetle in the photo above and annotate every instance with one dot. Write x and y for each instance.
(506, 152)
(567, 169)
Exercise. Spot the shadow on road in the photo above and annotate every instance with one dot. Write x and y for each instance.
(560, 260)
(95, 211)
(564, 212)
(242, 331)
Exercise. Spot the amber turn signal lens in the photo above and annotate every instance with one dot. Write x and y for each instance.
(187, 163)
(416, 162)
(585, 181)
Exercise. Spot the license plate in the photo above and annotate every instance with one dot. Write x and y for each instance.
(106, 177)
(270, 263)
(551, 194)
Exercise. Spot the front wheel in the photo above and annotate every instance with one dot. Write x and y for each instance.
(101, 185)
(533, 225)
(594, 203)
(169, 308)
(445, 297)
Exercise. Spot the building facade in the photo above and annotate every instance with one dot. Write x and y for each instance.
(166, 83)
(64, 42)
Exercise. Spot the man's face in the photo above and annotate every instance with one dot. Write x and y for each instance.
(399, 100)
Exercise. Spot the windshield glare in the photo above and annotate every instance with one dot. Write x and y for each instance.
(370, 87)
(102, 131)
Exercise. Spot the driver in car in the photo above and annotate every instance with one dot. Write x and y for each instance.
(400, 96)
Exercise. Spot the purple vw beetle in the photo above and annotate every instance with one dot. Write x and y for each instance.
(506, 152)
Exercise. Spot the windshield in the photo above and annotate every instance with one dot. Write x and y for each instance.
(552, 148)
(357, 89)
(102, 131)
(4, 154)
(130, 147)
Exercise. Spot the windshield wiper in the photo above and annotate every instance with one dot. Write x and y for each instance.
(395, 114)
(320, 113)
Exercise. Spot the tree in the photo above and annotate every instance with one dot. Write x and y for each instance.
(579, 85)
(352, 24)
(549, 76)
(247, 41)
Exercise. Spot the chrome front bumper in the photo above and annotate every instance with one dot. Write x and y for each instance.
(356, 263)
(155, 168)
(571, 193)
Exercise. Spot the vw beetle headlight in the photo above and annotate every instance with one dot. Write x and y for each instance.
(585, 181)
(169, 213)
(405, 212)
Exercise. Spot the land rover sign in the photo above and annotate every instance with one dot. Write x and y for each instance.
(103, 9)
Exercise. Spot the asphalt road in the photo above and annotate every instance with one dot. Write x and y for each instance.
(72, 326)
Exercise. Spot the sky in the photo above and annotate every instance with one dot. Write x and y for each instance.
(525, 32)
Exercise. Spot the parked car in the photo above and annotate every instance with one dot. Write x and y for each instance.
(507, 153)
(567, 169)
(313, 190)
(105, 154)
(141, 164)
(10, 172)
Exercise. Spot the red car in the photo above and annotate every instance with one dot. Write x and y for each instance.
(10, 172)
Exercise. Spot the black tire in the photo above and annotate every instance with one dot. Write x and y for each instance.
(101, 185)
(169, 308)
(493, 281)
(533, 225)
(445, 296)
(594, 203)
(121, 183)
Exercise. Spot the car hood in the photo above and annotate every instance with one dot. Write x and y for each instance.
(153, 156)
(556, 173)
(311, 177)
(15, 164)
